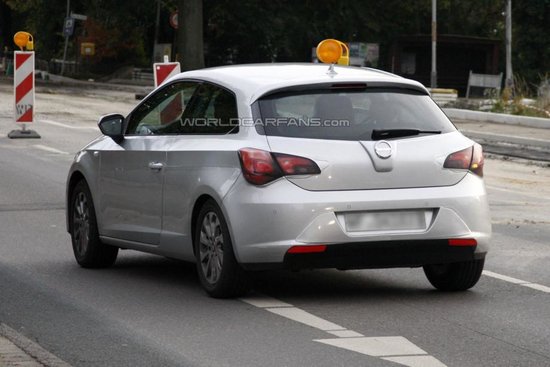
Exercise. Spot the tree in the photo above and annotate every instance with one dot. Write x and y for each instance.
(35, 17)
(248, 31)
(190, 34)
(121, 30)
(530, 41)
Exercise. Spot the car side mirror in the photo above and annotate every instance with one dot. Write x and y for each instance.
(111, 125)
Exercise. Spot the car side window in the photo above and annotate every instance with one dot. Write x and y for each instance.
(161, 113)
(212, 110)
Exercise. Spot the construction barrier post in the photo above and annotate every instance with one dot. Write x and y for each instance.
(23, 85)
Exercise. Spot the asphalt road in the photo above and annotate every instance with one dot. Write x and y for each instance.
(149, 310)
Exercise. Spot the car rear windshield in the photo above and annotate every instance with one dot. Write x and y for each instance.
(349, 114)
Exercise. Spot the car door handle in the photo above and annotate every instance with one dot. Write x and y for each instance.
(157, 166)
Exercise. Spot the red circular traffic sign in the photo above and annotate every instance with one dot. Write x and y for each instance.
(174, 19)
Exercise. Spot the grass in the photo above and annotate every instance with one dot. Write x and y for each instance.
(511, 101)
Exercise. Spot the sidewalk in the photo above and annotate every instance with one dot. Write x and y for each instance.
(58, 81)
(11, 355)
(506, 131)
(17, 350)
(512, 140)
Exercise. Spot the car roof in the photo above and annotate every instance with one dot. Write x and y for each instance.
(251, 81)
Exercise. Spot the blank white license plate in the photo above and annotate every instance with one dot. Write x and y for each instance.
(391, 220)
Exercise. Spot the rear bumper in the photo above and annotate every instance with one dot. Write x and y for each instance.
(392, 254)
(383, 254)
(265, 222)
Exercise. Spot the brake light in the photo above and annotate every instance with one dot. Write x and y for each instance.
(470, 158)
(307, 249)
(349, 86)
(461, 242)
(260, 167)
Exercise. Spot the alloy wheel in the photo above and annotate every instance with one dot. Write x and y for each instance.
(211, 247)
(81, 223)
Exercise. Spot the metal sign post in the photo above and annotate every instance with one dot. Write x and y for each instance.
(68, 30)
(65, 33)
(509, 73)
(433, 75)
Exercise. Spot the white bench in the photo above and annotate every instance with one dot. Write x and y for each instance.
(484, 81)
(443, 96)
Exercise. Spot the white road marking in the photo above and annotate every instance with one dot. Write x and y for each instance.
(262, 301)
(524, 283)
(416, 361)
(66, 126)
(49, 149)
(345, 333)
(376, 346)
(304, 317)
(503, 277)
(396, 349)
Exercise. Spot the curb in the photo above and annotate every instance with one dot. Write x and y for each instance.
(34, 350)
(505, 145)
(12, 356)
(91, 85)
(538, 122)
(503, 138)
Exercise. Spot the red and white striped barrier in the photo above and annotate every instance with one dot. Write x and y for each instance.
(164, 71)
(24, 87)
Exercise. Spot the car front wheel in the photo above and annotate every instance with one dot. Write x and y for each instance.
(455, 276)
(219, 272)
(88, 250)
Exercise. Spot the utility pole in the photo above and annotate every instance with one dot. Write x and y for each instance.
(190, 34)
(66, 39)
(433, 76)
(156, 39)
(509, 73)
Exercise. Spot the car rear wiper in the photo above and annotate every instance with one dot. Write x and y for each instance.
(398, 133)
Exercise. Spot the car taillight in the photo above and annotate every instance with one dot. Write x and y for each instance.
(260, 167)
(293, 165)
(462, 242)
(307, 249)
(477, 160)
(470, 158)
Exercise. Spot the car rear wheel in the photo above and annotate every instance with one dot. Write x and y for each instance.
(219, 272)
(88, 250)
(455, 276)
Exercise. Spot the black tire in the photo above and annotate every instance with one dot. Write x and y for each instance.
(220, 274)
(455, 276)
(89, 251)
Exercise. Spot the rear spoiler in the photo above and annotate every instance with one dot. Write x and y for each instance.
(348, 86)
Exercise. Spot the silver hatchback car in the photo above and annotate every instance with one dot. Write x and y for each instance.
(295, 166)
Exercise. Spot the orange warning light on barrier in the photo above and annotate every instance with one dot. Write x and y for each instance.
(24, 41)
(331, 51)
